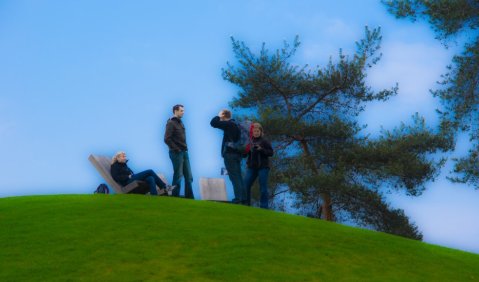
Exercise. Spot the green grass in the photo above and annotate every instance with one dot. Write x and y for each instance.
(142, 238)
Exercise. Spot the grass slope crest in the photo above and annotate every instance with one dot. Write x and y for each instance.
(142, 238)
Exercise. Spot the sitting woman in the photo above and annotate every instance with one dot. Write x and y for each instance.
(123, 175)
(258, 165)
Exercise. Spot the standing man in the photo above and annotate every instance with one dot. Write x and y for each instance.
(231, 157)
(175, 138)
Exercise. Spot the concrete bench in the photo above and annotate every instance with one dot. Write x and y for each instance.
(213, 189)
(102, 165)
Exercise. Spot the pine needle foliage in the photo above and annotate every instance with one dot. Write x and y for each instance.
(334, 170)
(458, 89)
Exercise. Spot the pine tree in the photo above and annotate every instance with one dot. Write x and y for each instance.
(310, 114)
(458, 90)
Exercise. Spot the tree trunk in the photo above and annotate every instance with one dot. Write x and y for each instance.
(327, 206)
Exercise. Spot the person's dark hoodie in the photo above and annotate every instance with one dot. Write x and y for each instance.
(231, 133)
(120, 173)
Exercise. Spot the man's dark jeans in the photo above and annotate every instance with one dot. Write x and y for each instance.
(233, 166)
(251, 175)
(181, 167)
(151, 178)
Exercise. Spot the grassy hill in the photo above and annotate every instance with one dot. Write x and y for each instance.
(142, 238)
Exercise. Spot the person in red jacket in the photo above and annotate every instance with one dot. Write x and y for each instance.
(258, 165)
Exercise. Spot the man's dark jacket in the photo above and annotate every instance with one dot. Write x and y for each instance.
(231, 133)
(175, 135)
(120, 173)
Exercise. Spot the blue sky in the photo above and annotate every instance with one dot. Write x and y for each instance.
(82, 77)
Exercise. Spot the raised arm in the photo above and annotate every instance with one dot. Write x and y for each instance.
(217, 123)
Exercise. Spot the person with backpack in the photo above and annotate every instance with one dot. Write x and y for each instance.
(123, 175)
(232, 156)
(257, 164)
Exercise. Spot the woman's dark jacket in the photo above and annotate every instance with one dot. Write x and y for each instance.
(258, 159)
(120, 173)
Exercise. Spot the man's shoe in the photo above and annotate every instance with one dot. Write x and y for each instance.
(236, 201)
(169, 189)
(162, 192)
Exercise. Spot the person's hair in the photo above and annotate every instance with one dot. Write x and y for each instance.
(227, 113)
(258, 125)
(116, 156)
(177, 107)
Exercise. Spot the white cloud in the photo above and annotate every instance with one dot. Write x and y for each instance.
(338, 29)
(318, 52)
(331, 35)
(415, 66)
(455, 210)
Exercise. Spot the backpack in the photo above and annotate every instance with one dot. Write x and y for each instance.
(243, 144)
(102, 189)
